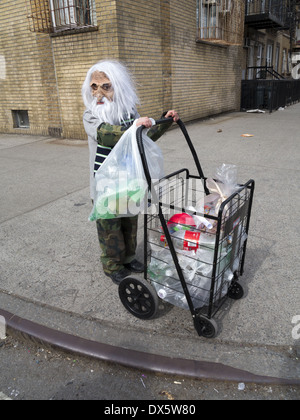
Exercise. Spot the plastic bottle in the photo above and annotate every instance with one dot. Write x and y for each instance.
(200, 290)
(154, 240)
(173, 296)
(191, 240)
(202, 221)
(165, 293)
(180, 300)
(159, 270)
(242, 235)
(168, 289)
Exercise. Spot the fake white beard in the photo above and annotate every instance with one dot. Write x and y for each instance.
(108, 111)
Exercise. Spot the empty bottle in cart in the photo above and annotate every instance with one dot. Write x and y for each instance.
(189, 240)
(173, 296)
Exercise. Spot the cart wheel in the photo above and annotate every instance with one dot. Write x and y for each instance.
(236, 291)
(138, 297)
(205, 327)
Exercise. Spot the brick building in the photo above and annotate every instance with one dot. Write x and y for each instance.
(184, 55)
(268, 38)
(270, 70)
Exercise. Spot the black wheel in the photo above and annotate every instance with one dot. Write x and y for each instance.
(138, 297)
(205, 327)
(236, 291)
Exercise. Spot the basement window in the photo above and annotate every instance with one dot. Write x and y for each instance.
(20, 119)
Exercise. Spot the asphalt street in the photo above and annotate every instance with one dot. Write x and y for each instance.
(37, 372)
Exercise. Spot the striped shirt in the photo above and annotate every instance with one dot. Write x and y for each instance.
(103, 151)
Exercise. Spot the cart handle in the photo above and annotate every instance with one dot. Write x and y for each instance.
(187, 138)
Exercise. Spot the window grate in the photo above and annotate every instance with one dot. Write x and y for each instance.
(53, 16)
(220, 21)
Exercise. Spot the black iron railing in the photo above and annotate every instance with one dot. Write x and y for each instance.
(269, 94)
(263, 72)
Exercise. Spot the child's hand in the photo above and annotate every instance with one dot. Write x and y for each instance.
(144, 121)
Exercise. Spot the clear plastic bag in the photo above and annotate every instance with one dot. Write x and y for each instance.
(222, 187)
(227, 175)
(120, 181)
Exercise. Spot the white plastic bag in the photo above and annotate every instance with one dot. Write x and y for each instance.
(120, 181)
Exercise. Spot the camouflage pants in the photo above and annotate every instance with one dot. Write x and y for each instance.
(118, 241)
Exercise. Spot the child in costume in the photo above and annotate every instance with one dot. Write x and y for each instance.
(110, 98)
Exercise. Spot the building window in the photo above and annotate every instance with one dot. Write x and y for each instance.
(70, 14)
(269, 55)
(20, 119)
(54, 16)
(255, 7)
(208, 20)
(220, 21)
(284, 61)
(277, 53)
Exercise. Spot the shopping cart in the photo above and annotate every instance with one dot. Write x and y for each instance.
(180, 267)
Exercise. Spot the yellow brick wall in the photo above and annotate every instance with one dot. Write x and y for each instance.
(139, 25)
(29, 79)
(74, 55)
(206, 78)
(157, 40)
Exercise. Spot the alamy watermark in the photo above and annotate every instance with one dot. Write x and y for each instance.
(127, 197)
(2, 328)
(296, 329)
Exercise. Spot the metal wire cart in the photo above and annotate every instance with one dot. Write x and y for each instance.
(186, 265)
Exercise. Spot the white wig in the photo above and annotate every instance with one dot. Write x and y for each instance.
(125, 98)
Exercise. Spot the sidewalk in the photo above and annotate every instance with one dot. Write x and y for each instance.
(52, 286)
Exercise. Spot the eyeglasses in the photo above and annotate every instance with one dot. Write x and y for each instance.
(106, 86)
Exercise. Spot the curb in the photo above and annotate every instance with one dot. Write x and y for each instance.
(132, 358)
